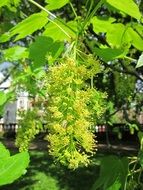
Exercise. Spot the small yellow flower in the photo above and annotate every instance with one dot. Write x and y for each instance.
(78, 81)
(57, 114)
(70, 117)
(69, 91)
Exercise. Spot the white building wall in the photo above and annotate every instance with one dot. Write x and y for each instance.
(22, 101)
(10, 113)
(11, 109)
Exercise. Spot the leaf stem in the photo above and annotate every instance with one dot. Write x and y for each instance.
(41, 7)
(60, 28)
(93, 12)
(131, 59)
(92, 82)
(73, 9)
(88, 13)
(139, 176)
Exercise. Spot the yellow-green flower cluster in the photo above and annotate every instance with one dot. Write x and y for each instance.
(71, 110)
(29, 126)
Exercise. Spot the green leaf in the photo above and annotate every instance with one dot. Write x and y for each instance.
(112, 170)
(3, 98)
(117, 35)
(102, 24)
(16, 2)
(38, 50)
(135, 39)
(108, 173)
(5, 37)
(123, 170)
(4, 2)
(15, 53)
(140, 156)
(138, 27)
(55, 51)
(54, 4)
(44, 48)
(140, 61)
(11, 4)
(13, 167)
(140, 136)
(109, 54)
(5, 26)
(127, 6)
(8, 2)
(115, 186)
(54, 32)
(4, 153)
(26, 27)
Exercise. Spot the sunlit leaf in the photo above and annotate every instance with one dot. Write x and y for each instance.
(137, 27)
(16, 2)
(8, 2)
(5, 37)
(135, 39)
(54, 4)
(15, 53)
(26, 27)
(13, 167)
(102, 24)
(4, 2)
(117, 35)
(4, 153)
(54, 32)
(2, 98)
(127, 6)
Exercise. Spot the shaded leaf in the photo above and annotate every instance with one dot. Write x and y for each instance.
(115, 186)
(109, 54)
(43, 48)
(112, 170)
(123, 170)
(140, 136)
(5, 26)
(140, 156)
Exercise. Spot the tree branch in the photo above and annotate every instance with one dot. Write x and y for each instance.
(8, 75)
